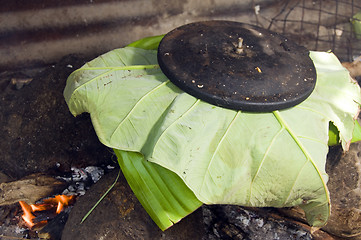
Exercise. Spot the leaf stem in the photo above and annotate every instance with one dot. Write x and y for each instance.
(131, 67)
(134, 107)
(300, 145)
(102, 197)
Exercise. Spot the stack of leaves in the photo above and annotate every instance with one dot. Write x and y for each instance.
(178, 152)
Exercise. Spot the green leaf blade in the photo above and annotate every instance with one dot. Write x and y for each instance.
(356, 24)
(149, 43)
(339, 102)
(162, 193)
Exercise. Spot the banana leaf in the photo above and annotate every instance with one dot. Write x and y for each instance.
(356, 24)
(223, 156)
(161, 192)
(148, 43)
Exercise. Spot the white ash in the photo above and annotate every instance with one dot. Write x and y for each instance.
(95, 173)
(110, 167)
(81, 179)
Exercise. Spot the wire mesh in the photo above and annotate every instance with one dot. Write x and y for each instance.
(317, 24)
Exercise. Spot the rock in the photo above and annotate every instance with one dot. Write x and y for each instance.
(38, 133)
(235, 222)
(344, 170)
(4, 177)
(120, 216)
(353, 67)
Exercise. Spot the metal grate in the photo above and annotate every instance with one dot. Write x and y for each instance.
(317, 24)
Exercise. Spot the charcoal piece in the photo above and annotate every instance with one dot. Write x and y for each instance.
(54, 229)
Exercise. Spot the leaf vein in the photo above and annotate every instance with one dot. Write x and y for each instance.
(135, 106)
(263, 159)
(303, 149)
(176, 121)
(313, 139)
(88, 82)
(131, 67)
(120, 57)
(217, 148)
(294, 182)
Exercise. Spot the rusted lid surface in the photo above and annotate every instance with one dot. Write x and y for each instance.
(237, 66)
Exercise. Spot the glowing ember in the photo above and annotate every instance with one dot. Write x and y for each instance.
(56, 204)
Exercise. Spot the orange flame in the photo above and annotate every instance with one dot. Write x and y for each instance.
(60, 200)
(27, 216)
(57, 203)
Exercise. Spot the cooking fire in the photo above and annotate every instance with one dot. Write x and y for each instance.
(52, 207)
(46, 218)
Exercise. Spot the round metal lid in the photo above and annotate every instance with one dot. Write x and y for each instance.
(237, 66)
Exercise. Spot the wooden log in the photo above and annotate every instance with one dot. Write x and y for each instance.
(29, 189)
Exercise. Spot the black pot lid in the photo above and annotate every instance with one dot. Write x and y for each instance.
(237, 66)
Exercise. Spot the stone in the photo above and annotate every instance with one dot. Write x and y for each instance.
(38, 133)
(344, 170)
(353, 67)
(120, 216)
(4, 177)
(236, 222)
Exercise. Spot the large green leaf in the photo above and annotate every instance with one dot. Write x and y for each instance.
(161, 192)
(224, 156)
